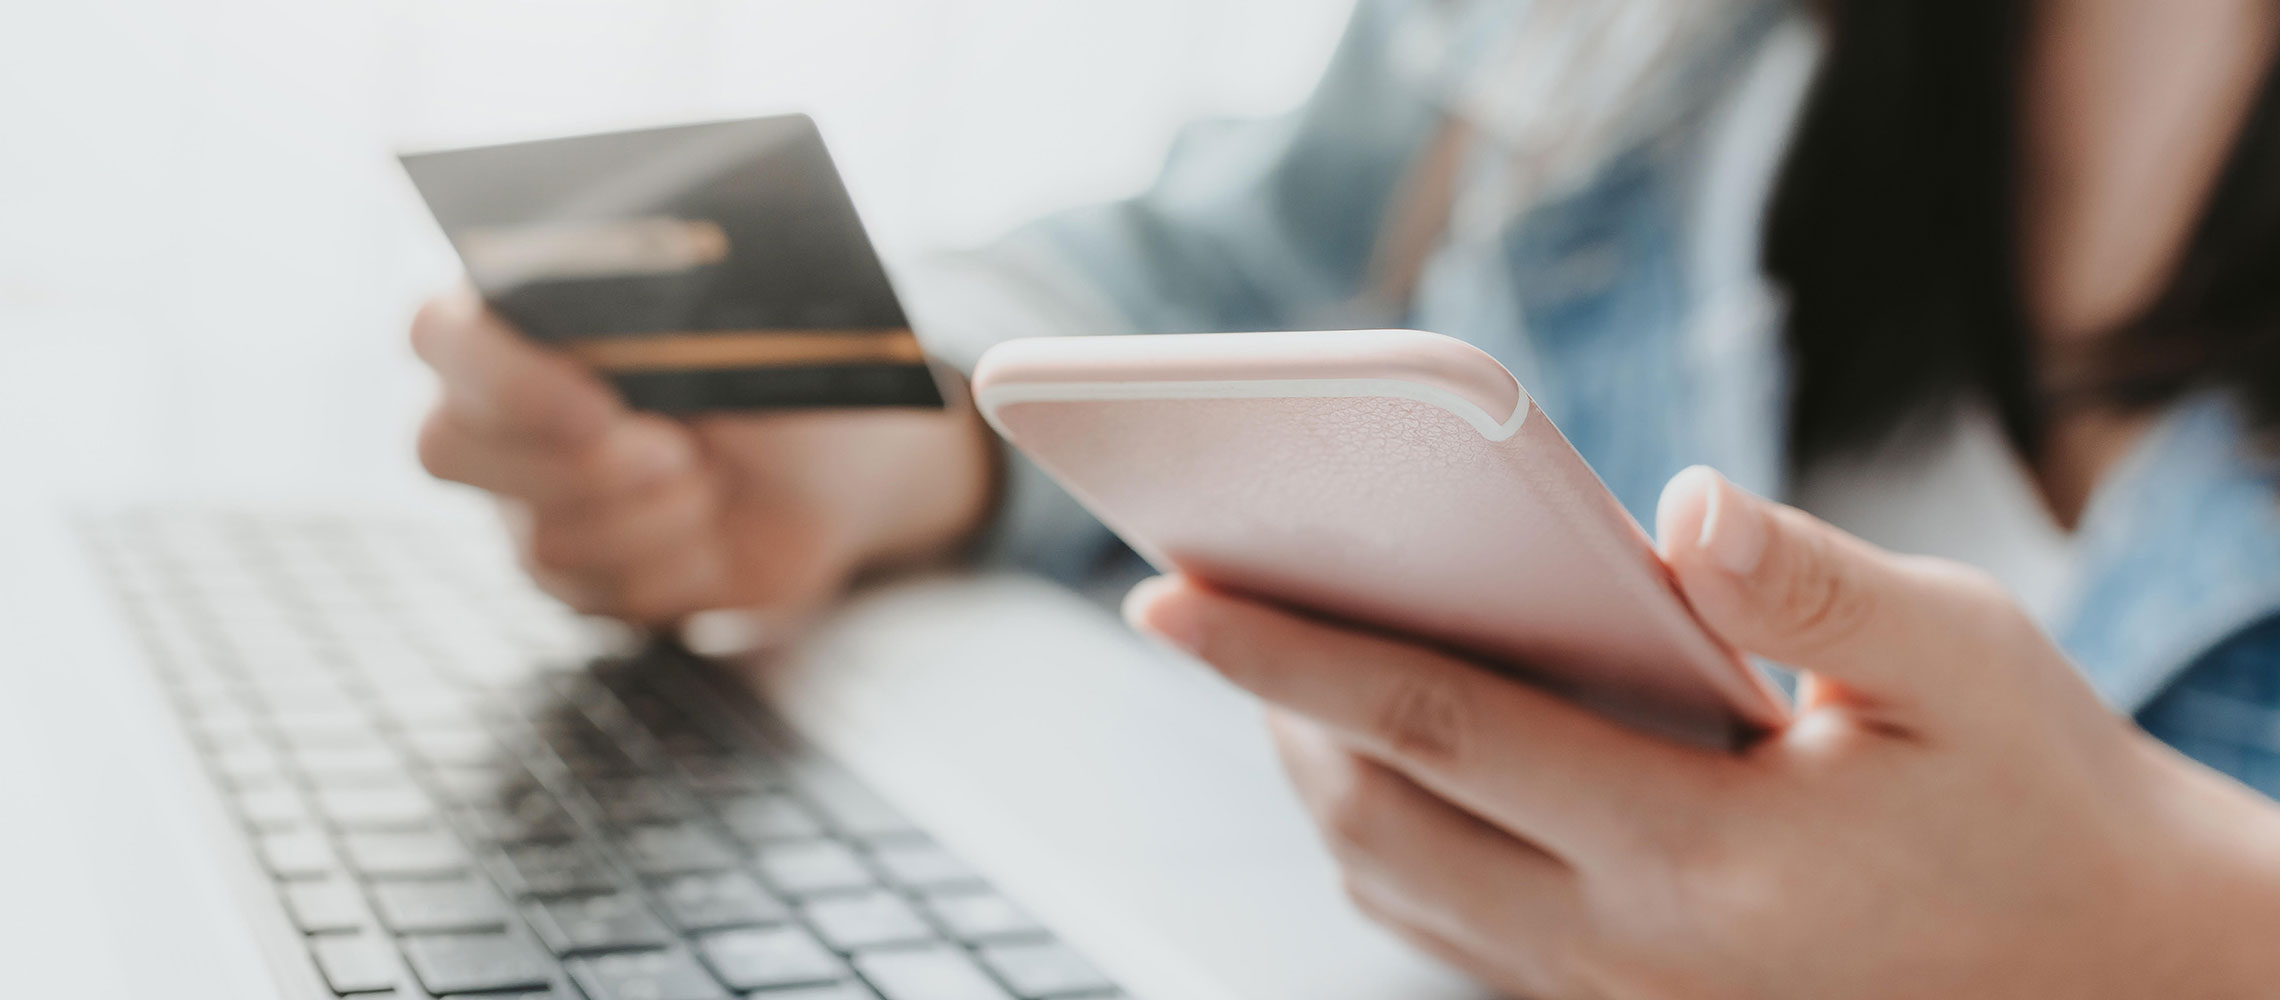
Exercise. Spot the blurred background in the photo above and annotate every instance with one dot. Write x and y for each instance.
(201, 201)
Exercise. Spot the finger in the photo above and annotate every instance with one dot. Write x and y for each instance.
(1775, 581)
(663, 590)
(1366, 901)
(613, 535)
(500, 381)
(676, 586)
(1547, 771)
(1489, 966)
(635, 452)
(1426, 862)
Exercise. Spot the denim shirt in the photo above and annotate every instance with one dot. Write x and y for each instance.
(1628, 300)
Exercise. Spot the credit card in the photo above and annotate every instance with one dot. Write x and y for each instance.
(718, 266)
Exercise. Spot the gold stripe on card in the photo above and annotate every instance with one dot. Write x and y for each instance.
(747, 349)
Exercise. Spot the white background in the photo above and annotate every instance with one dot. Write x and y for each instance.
(207, 254)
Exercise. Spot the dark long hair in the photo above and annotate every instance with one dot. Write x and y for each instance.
(1894, 232)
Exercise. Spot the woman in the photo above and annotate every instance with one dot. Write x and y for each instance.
(2025, 251)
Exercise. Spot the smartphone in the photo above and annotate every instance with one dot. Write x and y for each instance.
(1398, 480)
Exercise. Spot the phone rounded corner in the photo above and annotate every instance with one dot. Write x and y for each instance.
(1460, 369)
(984, 386)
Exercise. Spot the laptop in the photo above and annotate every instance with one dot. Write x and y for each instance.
(321, 755)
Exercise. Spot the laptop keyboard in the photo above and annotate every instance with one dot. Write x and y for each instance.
(451, 794)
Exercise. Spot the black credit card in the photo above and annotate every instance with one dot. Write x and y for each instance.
(704, 267)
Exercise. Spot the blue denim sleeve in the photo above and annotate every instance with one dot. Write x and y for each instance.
(1266, 224)
(2224, 710)
(1254, 225)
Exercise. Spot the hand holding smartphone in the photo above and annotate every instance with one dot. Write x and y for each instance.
(1392, 478)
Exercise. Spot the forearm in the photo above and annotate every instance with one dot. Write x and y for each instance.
(964, 303)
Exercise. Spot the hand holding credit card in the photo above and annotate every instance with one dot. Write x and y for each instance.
(697, 268)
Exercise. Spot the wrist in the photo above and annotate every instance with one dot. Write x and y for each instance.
(2245, 906)
(948, 489)
(2222, 893)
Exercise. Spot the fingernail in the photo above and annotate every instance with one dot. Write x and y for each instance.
(1675, 499)
(1733, 528)
(1173, 621)
(723, 632)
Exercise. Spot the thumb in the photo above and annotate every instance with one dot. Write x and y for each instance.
(1772, 580)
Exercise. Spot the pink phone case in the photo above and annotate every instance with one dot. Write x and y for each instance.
(1396, 479)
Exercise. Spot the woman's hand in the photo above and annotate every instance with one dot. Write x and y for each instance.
(653, 520)
(1951, 814)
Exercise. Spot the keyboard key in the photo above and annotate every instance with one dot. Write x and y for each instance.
(250, 766)
(938, 973)
(532, 821)
(454, 745)
(552, 870)
(847, 990)
(763, 958)
(718, 899)
(849, 923)
(459, 904)
(373, 764)
(592, 765)
(298, 855)
(815, 866)
(294, 691)
(471, 963)
(491, 786)
(614, 921)
(851, 808)
(359, 964)
(1044, 969)
(980, 916)
(328, 906)
(922, 864)
(686, 743)
(637, 800)
(760, 818)
(672, 850)
(328, 729)
(376, 807)
(729, 775)
(212, 697)
(645, 975)
(417, 854)
(503, 785)
(563, 729)
(272, 808)
(228, 728)
(441, 706)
